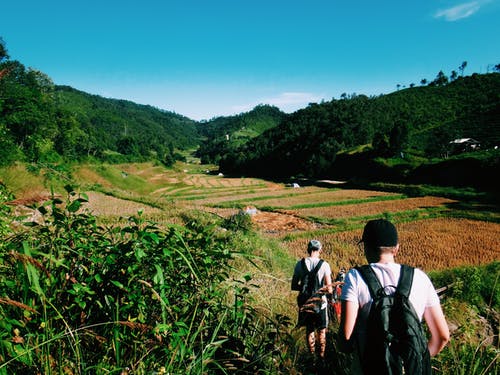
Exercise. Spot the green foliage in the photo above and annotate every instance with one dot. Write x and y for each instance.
(238, 222)
(472, 302)
(477, 285)
(43, 122)
(77, 295)
(122, 131)
(469, 360)
(419, 120)
(225, 134)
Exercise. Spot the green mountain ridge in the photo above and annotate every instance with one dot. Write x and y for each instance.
(415, 124)
(351, 137)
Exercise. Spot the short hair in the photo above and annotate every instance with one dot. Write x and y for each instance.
(313, 245)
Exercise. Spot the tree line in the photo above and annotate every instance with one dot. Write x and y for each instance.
(341, 138)
(417, 122)
(43, 122)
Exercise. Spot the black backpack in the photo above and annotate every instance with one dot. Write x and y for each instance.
(309, 283)
(395, 338)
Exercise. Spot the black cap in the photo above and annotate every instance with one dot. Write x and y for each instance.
(380, 232)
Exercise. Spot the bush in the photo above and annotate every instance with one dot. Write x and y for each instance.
(238, 222)
(77, 295)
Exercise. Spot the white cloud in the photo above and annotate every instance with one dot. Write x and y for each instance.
(287, 101)
(459, 11)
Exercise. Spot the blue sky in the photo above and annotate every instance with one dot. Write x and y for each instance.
(208, 58)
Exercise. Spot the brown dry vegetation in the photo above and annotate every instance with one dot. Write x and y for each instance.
(320, 195)
(433, 244)
(372, 208)
(103, 205)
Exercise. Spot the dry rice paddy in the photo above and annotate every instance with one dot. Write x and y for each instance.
(373, 208)
(321, 195)
(431, 244)
(103, 205)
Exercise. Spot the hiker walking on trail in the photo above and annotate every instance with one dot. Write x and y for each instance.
(382, 308)
(312, 278)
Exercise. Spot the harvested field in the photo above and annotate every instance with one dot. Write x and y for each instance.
(211, 181)
(433, 244)
(371, 208)
(103, 205)
(222, 212)
(276, 223)
(322, 196)
(430, 244)
(252, 196)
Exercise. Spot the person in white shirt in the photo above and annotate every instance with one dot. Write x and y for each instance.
(314, 322)
(380, 241)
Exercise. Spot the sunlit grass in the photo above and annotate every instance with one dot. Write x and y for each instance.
(21, 183)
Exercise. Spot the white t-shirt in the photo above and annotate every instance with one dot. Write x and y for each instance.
(355, 290)
(324, 270)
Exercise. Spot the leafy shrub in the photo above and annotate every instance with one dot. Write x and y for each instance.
(472, 297)
(476, 285)
(238, 222)
(75, 295)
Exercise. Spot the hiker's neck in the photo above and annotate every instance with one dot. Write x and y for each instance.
(386, 258)
(314, 254)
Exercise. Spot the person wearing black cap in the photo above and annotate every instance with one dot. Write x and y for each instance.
(381, 245)
(314, 322)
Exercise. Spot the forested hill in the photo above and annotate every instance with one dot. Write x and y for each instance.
(225, 133)
(126, 127)
(41, 122)
(414, 122)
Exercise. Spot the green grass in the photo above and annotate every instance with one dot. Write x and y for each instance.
(123, 273)
(123, 180)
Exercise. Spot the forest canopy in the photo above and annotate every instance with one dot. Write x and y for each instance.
(346, 138)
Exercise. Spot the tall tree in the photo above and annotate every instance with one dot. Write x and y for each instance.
(3, 56)
(462, 67)
(3, 50)
(441, 79)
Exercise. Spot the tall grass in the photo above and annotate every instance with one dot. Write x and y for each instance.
(472, 302)
(85, 295)
(136, 297)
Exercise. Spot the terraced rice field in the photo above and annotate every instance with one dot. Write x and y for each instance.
(104, 205)
(432, 234)
(372, 208)
(431, 244)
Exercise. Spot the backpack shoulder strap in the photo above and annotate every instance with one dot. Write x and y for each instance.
(370, 278)
(405, 280)
(304, 267)
(318, 266)
(314, 270)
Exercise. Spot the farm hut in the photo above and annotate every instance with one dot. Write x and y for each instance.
(464, 145)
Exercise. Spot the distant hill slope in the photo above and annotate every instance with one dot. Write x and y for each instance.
(419, 121)
(42, 122)
(225, 133)
(112, 119)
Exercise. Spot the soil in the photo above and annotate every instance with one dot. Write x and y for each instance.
(277, 223)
